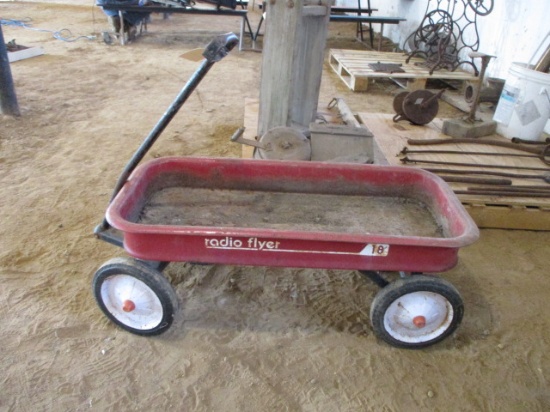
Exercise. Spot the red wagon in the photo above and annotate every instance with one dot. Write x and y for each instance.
(293, 214)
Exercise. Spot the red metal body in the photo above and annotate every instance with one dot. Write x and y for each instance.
(288, 248)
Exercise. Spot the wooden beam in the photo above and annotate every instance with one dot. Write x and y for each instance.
(292, 63)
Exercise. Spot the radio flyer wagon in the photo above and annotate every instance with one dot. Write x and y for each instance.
(361, 217)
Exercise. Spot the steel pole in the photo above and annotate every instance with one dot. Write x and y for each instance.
(8, 100)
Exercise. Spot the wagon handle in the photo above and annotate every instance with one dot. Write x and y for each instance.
(218, 48)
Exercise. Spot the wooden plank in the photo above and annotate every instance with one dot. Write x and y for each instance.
(500, 211)
(251, 111)
(509, 217)
(352, 66)
(24, 53)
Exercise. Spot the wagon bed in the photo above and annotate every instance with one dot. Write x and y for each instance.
(312, 213)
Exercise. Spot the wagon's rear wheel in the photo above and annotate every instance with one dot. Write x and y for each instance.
(135, 296)
(416, 311)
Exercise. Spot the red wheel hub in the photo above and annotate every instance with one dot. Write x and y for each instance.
(419, 321)
(128, 306)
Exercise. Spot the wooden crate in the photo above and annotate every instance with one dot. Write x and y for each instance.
(487, 211)
(352, 66)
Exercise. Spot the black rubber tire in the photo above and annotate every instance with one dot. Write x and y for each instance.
(405, 286)
(154, 280)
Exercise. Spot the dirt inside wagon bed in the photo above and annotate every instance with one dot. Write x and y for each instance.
(244, 339)
(290, 211)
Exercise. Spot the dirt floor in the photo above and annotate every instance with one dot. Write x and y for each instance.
(245, 339)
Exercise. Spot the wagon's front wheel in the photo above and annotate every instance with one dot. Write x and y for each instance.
(416, 311)
(135, 296)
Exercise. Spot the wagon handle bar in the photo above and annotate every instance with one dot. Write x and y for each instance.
(216, 50)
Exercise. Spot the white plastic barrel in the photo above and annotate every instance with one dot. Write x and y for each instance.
(524, 105)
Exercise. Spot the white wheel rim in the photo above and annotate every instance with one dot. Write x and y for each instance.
(418, 317)
(131, 302)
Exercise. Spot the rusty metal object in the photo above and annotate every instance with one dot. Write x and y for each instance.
(346, 114)
(476, 180)
(398, 105)
(505, 193)
(387, 67)
(447, 33)
(542, 152)
(437, 162)
(531, 142)
(544, 177)
(485, 58)
(490, 93)
(237, 138)
(524, 189)
(419, 107)
(406, 151)
(537, 187)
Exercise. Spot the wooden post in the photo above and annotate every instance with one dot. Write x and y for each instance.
(292, 65)
(8, 100)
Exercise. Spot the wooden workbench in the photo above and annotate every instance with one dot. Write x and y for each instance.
(245, 23)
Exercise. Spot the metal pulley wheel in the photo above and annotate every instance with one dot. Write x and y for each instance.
(283, 143)
(418, 107)
(398, 105)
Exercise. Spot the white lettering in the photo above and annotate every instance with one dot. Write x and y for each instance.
(252, 243)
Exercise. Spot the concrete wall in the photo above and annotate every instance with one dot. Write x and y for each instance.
(512, 31)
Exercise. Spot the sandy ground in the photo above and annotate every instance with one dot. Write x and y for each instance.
(245, 339)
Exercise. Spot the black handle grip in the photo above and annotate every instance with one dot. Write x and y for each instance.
(220, 47)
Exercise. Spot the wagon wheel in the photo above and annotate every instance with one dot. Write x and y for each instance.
(135, 296)
(416, 312)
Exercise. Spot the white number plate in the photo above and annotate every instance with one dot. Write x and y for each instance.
(376, 249)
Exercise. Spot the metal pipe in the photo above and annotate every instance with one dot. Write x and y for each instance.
(345, 112)
(406, 150)
(484, 63)
(524, 189)
(8, 99)
(545, 177)
(489, 142)
(476, 180)
(503, 193)
(542, 152)
(214, 52)
(524, 141)
(437, 162)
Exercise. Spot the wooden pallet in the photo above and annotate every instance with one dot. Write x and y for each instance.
(352, 66)
(487, 211)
